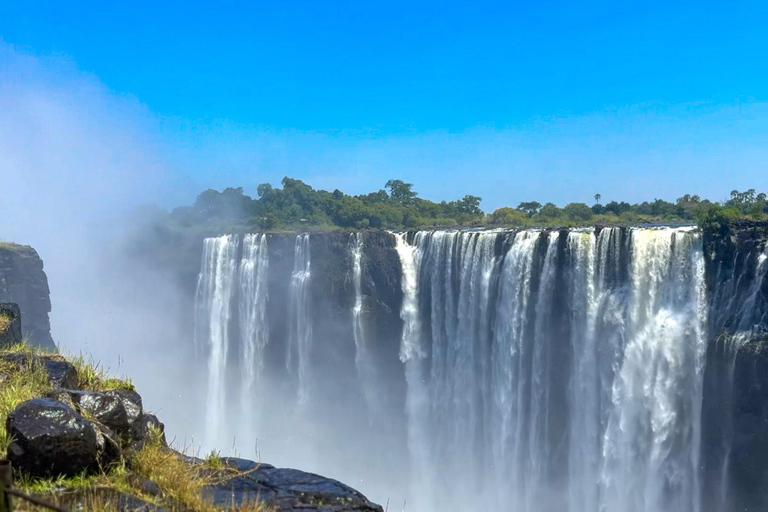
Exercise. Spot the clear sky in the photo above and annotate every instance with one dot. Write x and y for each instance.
(539, 100)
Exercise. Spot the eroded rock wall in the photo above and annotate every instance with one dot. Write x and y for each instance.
(23, 281)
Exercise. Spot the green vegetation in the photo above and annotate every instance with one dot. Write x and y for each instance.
(181, 482)
(299, 206)
(5, 321)
(18, 383)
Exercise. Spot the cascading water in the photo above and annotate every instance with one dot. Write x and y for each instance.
(544, 370)
(300, 319)
(254, 327)
(215, 287)
(364, 363)
(563, 372)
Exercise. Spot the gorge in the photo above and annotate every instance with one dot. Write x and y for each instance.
(601, 369)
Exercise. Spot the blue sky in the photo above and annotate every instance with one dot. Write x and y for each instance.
(552, 101)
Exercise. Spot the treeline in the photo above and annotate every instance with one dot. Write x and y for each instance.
(398, 206)
(297, 204)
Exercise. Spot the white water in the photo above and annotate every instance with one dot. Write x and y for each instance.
(364, 362)
(517, 403)
(545, 371)
(215, 287)
(254, 330)
(299, 318)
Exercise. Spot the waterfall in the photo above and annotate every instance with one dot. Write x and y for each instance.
(356, 258)
(215, 288)
(555, 371)
(651, 444)
(364, 362)
(417, 399)
(254, 328)
(299, 317)
(544, 370)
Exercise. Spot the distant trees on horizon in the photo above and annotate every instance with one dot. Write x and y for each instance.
(398, 206)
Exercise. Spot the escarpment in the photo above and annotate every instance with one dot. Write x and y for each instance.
(23, 281)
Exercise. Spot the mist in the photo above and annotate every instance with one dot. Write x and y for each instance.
(77, 161)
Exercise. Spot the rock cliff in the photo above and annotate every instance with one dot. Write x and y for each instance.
(23, 281)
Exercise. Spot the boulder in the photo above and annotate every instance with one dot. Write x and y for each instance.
(120, 410)
(142, 430)
(10, 324)
(285, 490)
(61, 373)
(51, 439)
(106, 408)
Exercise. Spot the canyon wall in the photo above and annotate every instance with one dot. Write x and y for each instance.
(23, 281)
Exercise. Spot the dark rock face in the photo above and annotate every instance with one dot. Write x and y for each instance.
(286, 490)
(51, 439)
(23, 281)
(735, 401)
(10, 324)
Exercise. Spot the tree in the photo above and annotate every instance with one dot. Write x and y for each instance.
(530, 208)
(597, 198)
(400, 191)
(508, 217)
(578, 212)
(550, 211)
(470, 205)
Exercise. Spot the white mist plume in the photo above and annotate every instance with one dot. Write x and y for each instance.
(74, 158)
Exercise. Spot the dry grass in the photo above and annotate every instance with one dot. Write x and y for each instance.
(5, 321)
(184, 481)
(180, 481)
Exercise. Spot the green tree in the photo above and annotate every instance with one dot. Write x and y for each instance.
(470, 205)
(508, 217)
(400, 191)
(578, 212)
(597, 198)
(530, 208)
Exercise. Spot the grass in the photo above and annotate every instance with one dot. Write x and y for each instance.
(20, 383)
(92, 376)
(5, 321)
(180, 481)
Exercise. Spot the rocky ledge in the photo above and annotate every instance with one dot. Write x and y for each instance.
(72, 433)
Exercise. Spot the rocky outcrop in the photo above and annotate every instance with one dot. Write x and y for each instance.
(61, 373)
(51, 439)
(23, 281)
(10, 324)
(285, 490)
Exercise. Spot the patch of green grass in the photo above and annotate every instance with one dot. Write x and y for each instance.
(91, 376)
(20, 383)
(213, 460)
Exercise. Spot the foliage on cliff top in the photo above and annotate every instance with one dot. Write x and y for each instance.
(180, 479)
(299, 206)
